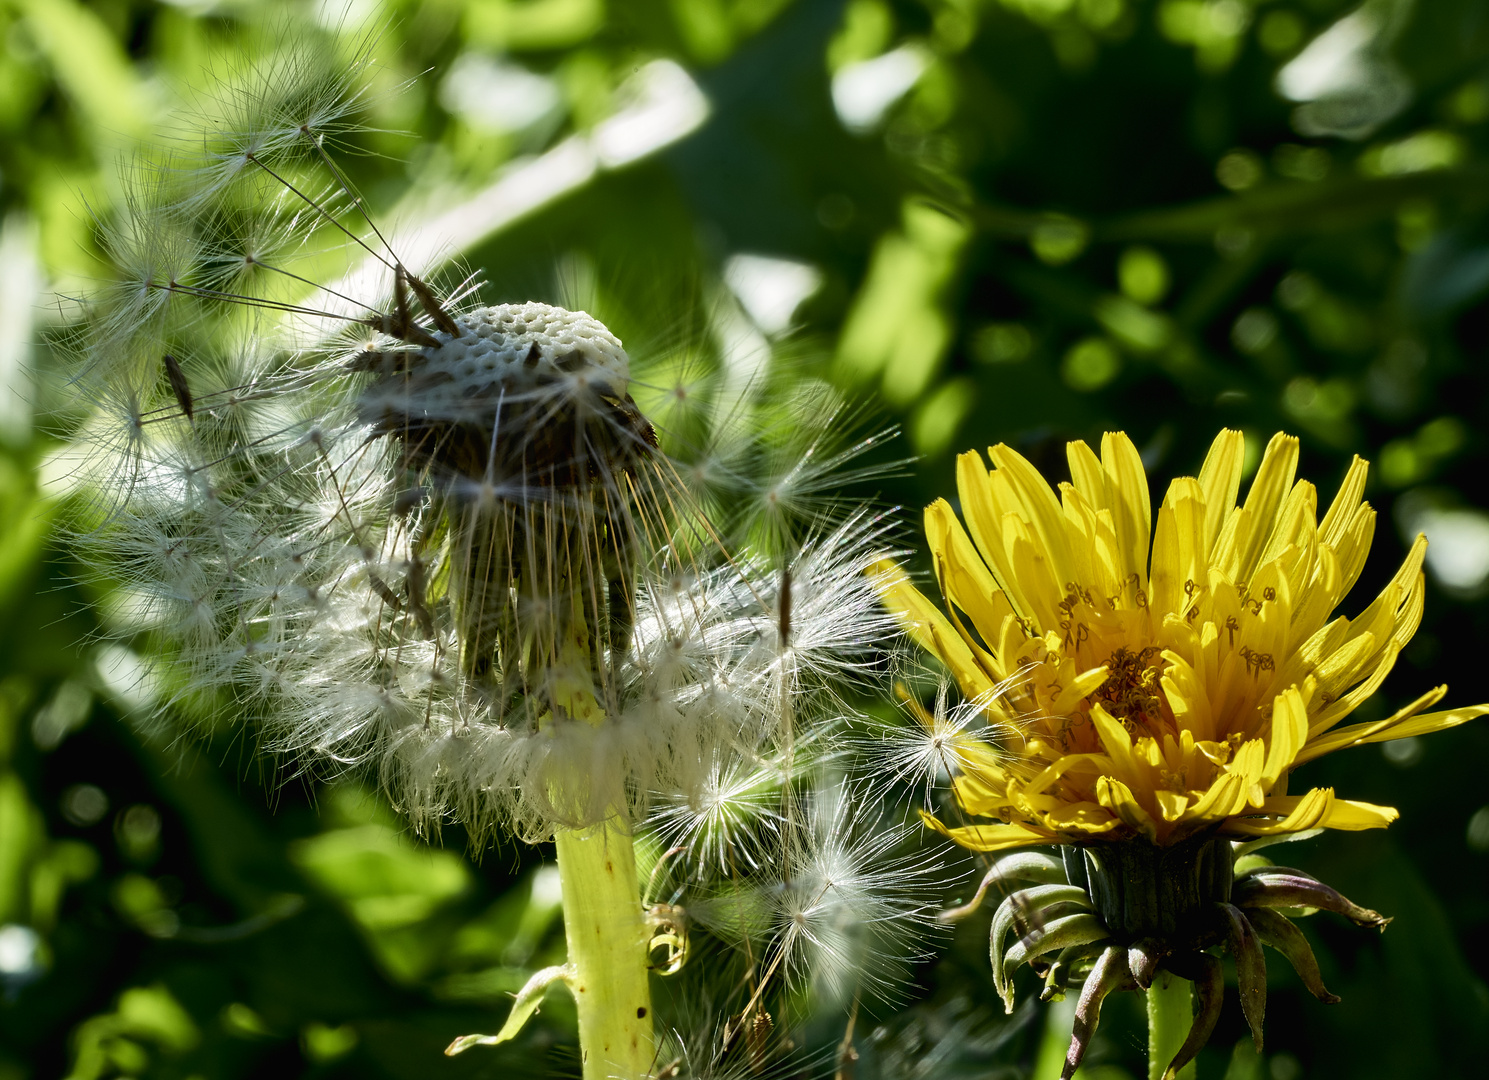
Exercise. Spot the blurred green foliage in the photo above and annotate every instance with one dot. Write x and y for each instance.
(1024, 220)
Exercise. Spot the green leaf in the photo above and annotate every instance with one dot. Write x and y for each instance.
(528, 1000)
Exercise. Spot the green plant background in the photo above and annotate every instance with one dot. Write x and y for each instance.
(1085, 215)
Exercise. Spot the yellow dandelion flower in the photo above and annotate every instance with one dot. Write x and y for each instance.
(1161, 697)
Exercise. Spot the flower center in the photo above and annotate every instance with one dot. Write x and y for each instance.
(1130, 692)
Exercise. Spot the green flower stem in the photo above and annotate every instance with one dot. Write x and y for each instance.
(603, 918)
(607, 951)
(1170, 1014)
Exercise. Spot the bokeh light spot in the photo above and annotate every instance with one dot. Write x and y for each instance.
(1143, 275)
(1090, 364)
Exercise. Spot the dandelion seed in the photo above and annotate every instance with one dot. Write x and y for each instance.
(838, 907)
(943, 742)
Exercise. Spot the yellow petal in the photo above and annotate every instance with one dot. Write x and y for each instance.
(1296, 526)
(1353, 545)
(981, 792)
(1400, 725)
(1226, 796)
(1321, 596)
(1399, 606)
(1129, 502)
(1231, 546)
(1248, 761)
(1117, 744)
(1186, 697)
(928, 627)
(1171, 804)
(1353, 816)
(1072, 695)
(1356, 655)
(1327, 717)
(1412, 582)
(1220, 480)
(1274, 479)
(1083, 527)
(1181, 557)
(1325, 640)
(1146, 749)
(1060, 767)
(990, 837)
(976, 502)
(1082, 818)
(1297, 812)
(1289, 733)
(1391, 612)
(1030, 564)
(1086, 474)
(1041, 509)
(1341, 513)
(1118, 798)
(1164, 584)
(965, 579)
(985, 660)
(1317, 809)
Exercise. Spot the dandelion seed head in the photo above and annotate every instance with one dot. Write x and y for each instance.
(506, 353)
(438, 538)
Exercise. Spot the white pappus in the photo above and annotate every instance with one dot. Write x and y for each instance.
(428, 535)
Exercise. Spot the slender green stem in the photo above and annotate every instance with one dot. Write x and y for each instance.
(607, 938)
(1170, 1014)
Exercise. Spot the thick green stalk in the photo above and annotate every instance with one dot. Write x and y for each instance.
(1170, 1015)
(603, 917)
(607, 952)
